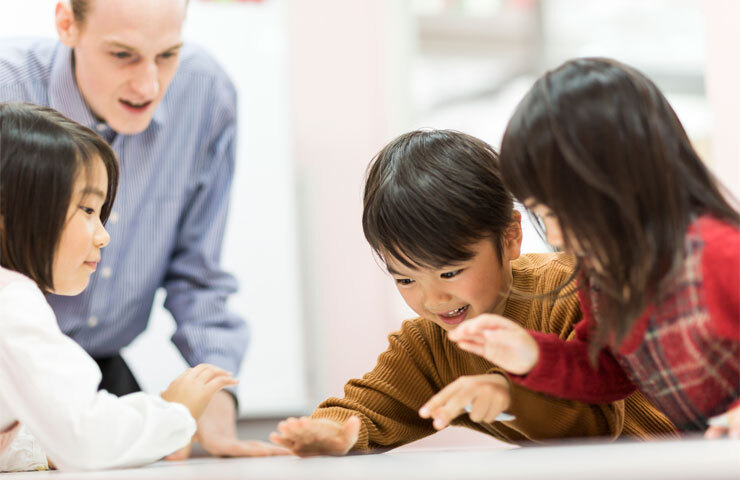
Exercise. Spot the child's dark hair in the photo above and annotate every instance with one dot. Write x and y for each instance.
(598, 144)
(41, 155)
(430, 195)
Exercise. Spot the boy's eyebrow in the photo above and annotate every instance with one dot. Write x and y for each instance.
(391, 271)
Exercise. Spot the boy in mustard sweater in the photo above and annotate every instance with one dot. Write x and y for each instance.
(437, 213)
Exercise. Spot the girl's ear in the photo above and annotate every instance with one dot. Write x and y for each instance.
(513, 237)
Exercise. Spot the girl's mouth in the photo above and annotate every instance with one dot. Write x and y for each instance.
(454, 317)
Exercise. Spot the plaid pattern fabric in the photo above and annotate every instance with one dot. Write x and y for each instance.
(681, 366)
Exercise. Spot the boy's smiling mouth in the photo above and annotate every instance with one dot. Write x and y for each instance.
(453, 317)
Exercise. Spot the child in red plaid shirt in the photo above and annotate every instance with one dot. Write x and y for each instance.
(597, 153)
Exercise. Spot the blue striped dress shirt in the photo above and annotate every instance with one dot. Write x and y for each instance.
(168, 221)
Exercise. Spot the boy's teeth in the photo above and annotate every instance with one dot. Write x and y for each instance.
(455, 312)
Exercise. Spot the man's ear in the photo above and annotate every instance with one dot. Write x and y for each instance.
(513, 237)
(67, 28)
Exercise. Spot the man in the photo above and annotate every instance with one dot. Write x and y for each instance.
(169, 112)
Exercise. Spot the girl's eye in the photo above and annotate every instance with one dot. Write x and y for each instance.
(404, 281)
(121, 55)
(87, 210)
(451, 274)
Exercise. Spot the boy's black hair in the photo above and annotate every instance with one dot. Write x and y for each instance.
(41, 155)
(430, 195)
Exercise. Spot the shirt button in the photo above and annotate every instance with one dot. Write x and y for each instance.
(106, 272)
(100, 127)
(113, 218)
(92, 322)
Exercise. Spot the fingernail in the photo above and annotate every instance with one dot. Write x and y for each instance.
(424, 412)
(438, 424)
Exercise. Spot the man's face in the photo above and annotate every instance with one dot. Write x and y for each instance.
(126, 53)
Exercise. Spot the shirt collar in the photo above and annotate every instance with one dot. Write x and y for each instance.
(65, 96)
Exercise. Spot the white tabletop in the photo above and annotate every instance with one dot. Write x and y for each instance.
(686, 459)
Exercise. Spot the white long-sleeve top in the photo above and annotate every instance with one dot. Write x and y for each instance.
(49, 384)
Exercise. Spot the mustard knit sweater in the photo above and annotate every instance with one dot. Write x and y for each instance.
(420, 361)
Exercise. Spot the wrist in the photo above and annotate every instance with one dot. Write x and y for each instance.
(234, 398)
(534, 353)
(502, 380)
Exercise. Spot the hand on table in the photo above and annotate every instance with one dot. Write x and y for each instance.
(308, 437)
(217, 434)
(488, 394)
(732, 429)
(498, 340)
(195, 387)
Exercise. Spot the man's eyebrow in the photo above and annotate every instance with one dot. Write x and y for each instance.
(173, 47)
(123, 46)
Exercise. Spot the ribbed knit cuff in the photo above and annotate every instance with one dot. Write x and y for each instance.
(542, 374)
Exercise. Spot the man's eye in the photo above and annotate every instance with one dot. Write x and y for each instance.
(167, 55)
(404, 281)
(451, 274)
(121, 55)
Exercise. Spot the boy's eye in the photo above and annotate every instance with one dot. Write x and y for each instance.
(451, 274)
(121, 55)
(404, 281)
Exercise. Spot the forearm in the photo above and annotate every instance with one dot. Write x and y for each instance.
(387, 422)
(541, 417)
(563, 370)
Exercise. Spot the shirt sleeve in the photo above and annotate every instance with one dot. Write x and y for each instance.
(50, 387)
(197, 288)
(564, 369)
(388, 398)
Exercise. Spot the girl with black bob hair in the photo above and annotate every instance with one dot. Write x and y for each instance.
(597, 153)
(57, 184)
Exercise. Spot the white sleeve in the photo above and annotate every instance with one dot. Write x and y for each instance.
(49, 384)
(24, 454)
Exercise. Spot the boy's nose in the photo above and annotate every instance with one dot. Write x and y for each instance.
(437, 301)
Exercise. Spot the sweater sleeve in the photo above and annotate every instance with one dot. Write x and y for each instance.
(408, 373)
(721, 276)
(563, 368)
(50, 386)
(720, 266)
(387, 399)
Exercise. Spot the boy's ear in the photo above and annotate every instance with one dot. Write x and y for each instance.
(67, 28)
(513, 237)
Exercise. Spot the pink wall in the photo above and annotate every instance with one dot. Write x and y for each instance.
(341, 119)
(723, 88)
(347, 103)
